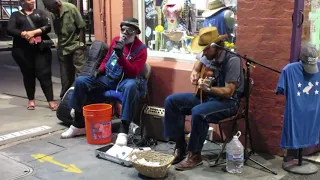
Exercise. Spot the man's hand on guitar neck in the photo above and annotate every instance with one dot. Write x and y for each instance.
(194, 77)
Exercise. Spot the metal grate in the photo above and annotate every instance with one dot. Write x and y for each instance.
(12, 169)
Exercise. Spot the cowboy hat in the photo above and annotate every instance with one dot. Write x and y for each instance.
(174, 35)
(206, 37)
(213, 7)
(131, 22)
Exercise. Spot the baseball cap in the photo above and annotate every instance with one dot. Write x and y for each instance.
(309, 58)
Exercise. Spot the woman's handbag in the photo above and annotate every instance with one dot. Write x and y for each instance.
(43, 44)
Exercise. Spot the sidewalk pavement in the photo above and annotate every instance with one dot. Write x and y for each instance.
(51, 158)
(31, 148)
(43, 155)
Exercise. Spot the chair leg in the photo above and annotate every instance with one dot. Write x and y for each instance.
(221, 134)
(234, 124)
(216, 163)
(229, 138)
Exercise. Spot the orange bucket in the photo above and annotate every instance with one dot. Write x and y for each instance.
(98, 119)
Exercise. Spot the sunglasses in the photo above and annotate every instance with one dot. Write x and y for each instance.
(128, 31)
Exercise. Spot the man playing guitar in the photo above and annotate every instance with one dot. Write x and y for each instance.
(215, 99)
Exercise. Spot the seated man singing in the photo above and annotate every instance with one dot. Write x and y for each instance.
(118, 71)
(222, 85)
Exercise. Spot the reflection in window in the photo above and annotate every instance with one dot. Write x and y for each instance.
(311, 25)
(170, 25)
(8, 7)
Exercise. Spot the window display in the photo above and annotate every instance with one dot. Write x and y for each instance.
(7, 8)
(311, 25)
(170, 25)
(220, 16)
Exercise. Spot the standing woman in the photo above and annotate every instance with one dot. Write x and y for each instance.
(31, 50)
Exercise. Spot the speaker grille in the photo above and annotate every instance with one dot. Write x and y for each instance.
(156, 111)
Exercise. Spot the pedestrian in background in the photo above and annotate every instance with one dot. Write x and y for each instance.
(31, 50)
(70, 29)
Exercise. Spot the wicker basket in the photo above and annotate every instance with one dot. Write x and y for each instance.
(152, 156)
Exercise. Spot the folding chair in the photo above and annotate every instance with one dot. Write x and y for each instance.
(240, 114)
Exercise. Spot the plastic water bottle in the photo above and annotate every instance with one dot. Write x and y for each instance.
(235, 155)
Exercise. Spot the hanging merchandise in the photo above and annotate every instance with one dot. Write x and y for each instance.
(151, 17)
(235, 155)
(175, 28)
(300, 83)
(185, 16)
(219, 15)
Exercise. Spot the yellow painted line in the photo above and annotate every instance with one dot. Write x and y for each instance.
(44, 158)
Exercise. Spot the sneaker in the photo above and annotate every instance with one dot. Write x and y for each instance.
(72, 132)
(122, 139)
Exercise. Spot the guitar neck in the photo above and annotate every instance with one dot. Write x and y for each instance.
(203, 70)
(202, 73)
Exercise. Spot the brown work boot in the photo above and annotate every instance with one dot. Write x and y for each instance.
(191, 161)
(179, 155)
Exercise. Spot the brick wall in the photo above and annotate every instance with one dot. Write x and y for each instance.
(264, 34)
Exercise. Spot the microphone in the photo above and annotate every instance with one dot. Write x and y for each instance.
(224, 48)
(221, 47)
(122, 38)
(228, 50)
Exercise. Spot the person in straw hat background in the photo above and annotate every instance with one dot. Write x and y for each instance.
(119, 71)
(220, 16)
(221, 100)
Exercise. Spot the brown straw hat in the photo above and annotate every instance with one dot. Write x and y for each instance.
(206, 37)
(214, 6)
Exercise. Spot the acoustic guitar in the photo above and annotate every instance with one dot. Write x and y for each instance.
(204, 73)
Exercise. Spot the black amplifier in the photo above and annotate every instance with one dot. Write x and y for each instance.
(153, 119)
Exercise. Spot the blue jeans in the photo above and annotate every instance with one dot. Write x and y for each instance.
(87, 86)
(211, 111)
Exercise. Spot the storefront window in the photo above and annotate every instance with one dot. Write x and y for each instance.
(170, 25)
(311, 24)
(7, 8)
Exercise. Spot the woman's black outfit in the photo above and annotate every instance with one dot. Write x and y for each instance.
(34, 62)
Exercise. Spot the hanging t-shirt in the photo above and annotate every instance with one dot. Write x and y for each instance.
(218, 20)
(301, 125)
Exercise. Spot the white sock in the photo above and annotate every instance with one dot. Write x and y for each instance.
(72, 132)
(122, 139)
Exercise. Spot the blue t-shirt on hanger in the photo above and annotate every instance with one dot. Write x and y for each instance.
(301, 125)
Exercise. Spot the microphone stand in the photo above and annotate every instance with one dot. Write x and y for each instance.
(249, 63)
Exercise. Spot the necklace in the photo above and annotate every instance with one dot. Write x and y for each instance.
(129, 50)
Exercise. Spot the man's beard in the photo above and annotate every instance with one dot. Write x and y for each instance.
(213, 57)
